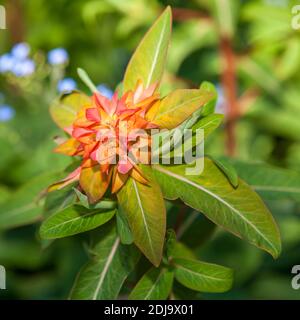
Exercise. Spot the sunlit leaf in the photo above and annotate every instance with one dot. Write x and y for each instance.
(148, 61)
(239, 210)
(178, 106)
(145, 211)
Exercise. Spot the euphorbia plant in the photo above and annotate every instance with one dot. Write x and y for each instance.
(122, 202)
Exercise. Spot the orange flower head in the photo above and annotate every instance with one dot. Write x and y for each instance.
(111, 136)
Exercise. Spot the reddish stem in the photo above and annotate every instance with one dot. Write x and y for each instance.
(15, 20)
(228, 79)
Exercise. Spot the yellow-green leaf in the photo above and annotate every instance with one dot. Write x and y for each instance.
(65, 109)
(94, 182)
(146, 214)
(178, 106)
(148, 61)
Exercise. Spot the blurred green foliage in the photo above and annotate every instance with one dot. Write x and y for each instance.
(100, 37)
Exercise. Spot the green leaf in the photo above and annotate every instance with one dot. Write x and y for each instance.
(123, 228)
(209, 107)
(73, 220)
(228, 170)
(23, 207)
(239, 210)
(208, 124)
(104, 204)
(156, 284)
(148, 61)
(270, 182)
(58, 200)
(64, 110)
(146, 214)
(111, 263)
(178, 106)
(86, 79)
(202, 276)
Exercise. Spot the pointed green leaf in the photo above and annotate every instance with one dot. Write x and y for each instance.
(178, 106)
(156, 284)
(86, 79)
(148, 61)
(64, 110)
(202, 276)
(239, 210)
(270, 182)
(145, 211)
(111, 263)
(73, 220)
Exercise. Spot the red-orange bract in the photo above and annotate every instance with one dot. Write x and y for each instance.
(103, 134)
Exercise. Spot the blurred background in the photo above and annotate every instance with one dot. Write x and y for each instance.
(248, 49)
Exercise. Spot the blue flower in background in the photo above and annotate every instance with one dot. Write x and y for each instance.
(6, 113)
(17, 61)
(7, 62)
(20, 50)
(23, 68)
(58, 56)
(105, 91)
(66, 85)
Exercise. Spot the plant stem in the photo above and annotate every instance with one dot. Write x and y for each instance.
(15, 20)
(228, 79)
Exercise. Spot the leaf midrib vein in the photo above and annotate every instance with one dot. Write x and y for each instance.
(174, 175)
(143, 214)
(106, 266)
